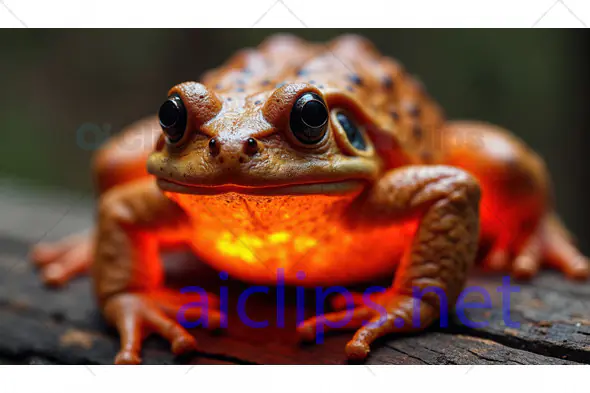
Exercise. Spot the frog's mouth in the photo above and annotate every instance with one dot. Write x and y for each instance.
(318, 188)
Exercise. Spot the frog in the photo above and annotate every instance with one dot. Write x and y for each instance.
(327, 159)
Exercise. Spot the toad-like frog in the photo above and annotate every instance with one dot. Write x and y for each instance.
(329, 160)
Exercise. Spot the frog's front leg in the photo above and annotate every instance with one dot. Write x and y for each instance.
(133, 219)
(445, 201)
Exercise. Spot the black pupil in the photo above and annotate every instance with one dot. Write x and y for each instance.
(314, 114)
(173, 118)
(309, 118)
(169, 114)
(352, 132)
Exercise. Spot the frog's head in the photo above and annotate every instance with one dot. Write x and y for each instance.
(291, 139)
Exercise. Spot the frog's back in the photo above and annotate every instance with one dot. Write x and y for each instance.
(408, 122)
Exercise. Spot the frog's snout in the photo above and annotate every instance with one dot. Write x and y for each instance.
(229, 151)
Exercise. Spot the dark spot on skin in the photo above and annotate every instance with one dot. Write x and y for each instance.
(426, 156)
(387, 82)
(240, 90)
(349, 88)
(218, 86)
(213, 147)
(394, 115)
(354, 78)
(302, 72)
(311, 82)
(246, 71)
(221, 160)
(201, 96)
(257, 102)
(241, 159)
(321, 86)
(417, 131)
(240, 82)
(279, 85)
(265, 82)
(414, 110)
(228, 99)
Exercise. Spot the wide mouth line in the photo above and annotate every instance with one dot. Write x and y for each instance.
(328, 187)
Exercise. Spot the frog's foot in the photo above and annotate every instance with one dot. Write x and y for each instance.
(389, 312)
(65, 259)
(550, 245)
(136, 315)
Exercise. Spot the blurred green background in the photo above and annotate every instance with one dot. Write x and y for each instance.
(533, 82)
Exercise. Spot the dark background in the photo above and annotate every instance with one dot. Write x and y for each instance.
(59, 83)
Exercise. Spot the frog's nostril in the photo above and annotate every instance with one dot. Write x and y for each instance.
(214, 147)
(251, 146)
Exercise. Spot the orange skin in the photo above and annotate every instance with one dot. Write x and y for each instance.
(412, 202)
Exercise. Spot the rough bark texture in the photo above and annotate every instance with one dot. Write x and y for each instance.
(41, 326)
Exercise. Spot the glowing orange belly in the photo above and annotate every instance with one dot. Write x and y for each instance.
(251, 237)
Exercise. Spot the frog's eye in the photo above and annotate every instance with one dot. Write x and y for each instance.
(354, 135)
(309, 119)
(172, 116)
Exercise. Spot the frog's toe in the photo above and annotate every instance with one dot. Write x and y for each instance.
(497, 259)
(48, 252)
(528, 261)
(314, 328)
(57, 268)
(561, 254)
(127, 357)
(526, 267)
(184, 344)
(356, 350)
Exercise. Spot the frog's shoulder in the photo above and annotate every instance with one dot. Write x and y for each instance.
(407, 120)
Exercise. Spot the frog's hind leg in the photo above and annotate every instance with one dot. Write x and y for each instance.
(121, 160)
(517, 219)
